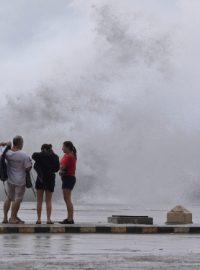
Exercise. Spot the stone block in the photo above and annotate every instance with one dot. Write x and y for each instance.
(103, 229)
(131, 220)
(150, 230)
(118, 229)
(88, 229)
(26, 229)
(179, 215)
(181, 230)
(57, 229)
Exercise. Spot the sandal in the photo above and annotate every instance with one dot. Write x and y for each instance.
(5, 221)
(38, 222)
(50, 222)
(11, 221)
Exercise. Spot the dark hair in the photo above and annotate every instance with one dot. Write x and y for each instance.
(46, 146)
(18, 140)
(71, 147)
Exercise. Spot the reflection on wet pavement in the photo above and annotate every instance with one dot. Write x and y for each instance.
(92, 251)
(65, 251)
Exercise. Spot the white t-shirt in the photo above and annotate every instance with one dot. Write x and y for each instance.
(17, 163)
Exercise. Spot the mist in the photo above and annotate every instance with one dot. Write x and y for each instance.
(118, 78)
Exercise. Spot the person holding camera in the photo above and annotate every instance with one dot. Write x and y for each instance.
(18, 163)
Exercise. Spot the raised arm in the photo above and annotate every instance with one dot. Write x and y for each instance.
(5, 143)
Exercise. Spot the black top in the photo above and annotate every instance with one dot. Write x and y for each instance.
(46, 163)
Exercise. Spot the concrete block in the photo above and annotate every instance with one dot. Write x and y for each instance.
(194, 229)
(179, 215)
(88, 229)
(42, 229)
(72, 229)
(103, 229)
(150, 230)
(134, 229)
(166, 229)
(27, 229)
(11, 229)
(131, 220)
(57, 229)
(118, 229)
(181, 230)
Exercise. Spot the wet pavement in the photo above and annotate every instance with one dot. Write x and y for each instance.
(104, 251)
(99, 252)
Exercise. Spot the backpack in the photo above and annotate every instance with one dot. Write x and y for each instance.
(3, 165)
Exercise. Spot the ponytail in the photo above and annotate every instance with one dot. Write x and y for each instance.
(72, 148)
(74, 151)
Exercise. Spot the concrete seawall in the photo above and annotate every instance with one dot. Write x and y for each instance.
(99, 229)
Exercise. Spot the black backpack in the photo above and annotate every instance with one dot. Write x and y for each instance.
(3, 165)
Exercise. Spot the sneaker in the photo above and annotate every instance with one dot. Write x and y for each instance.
(66, 221)
(20, 221)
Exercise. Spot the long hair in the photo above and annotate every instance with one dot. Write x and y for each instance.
(71, 147)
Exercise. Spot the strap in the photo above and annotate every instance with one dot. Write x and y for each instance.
(5, 190)
(32, 177)
(6, 150)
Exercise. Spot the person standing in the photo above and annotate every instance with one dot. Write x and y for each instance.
(18, 163)
(46, 165)
(68, 176)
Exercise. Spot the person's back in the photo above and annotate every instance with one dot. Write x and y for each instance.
(46, 165)
(47, 162)
(17, 163)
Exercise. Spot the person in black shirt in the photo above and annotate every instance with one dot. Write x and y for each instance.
(46, 165)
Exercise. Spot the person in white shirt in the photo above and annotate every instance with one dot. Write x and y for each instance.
(18, 163)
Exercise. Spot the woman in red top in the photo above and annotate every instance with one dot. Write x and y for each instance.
(68, 176)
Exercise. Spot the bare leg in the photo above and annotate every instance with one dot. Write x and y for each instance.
(70, 208)
(40, 194)
(6, 209)
(48, 204)
(14, 210)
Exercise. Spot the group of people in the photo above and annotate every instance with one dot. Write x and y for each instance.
(46, 165)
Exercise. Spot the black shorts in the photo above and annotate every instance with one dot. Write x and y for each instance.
(48, 183)
(68, 182)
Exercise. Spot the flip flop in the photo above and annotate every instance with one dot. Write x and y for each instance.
(17, 221)
(14, 221)
(5, 222)
(50, 222)
(38, 222)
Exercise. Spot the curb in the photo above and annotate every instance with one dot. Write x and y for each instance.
(99, 229)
